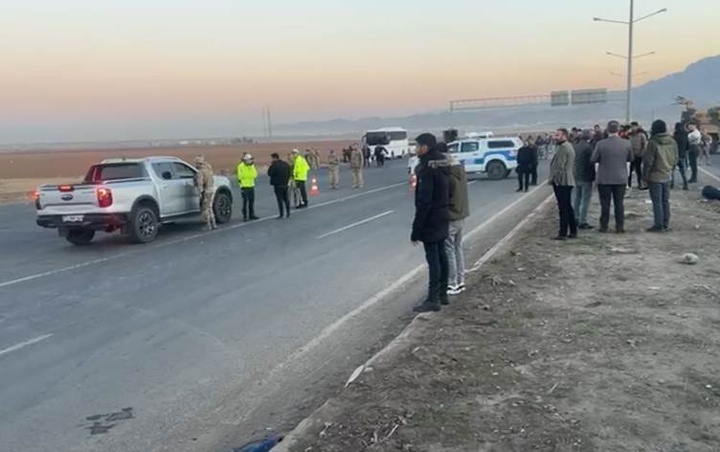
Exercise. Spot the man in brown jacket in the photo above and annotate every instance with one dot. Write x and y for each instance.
(562, 179)
(638, 142)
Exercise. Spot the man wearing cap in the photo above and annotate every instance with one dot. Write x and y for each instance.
(301, 168)
(357, 161)
(334, 169)
(247, 173)
(204, 183)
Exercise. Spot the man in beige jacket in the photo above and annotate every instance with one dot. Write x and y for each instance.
(562, 178)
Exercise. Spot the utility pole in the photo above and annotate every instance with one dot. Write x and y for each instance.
(269, 123)
(630, 57)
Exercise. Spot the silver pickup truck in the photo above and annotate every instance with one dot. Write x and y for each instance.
(134, 196)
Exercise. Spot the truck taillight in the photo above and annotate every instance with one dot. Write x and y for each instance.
(104, 197)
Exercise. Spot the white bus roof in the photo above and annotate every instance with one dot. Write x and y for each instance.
(388, 129)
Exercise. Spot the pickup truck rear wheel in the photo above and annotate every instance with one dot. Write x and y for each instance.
(80, 236)
(222, 208)
(496, 170)
(143, 224)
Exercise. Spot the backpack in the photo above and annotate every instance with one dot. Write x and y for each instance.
(711, 192)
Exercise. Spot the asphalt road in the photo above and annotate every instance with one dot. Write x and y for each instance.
(207, 338)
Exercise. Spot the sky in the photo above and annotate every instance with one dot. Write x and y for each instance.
(111, 69)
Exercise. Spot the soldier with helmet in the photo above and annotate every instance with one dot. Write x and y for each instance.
(204, 183)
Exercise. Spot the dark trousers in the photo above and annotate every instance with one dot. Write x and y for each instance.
(283, 199)
(617, 193)
(437, 261)
(660, 197)
(682, 167)
(524, 179)
(636, 165)
(533, 173)
(248, 197)
(303, 191)
(568, 224)
(693, 154)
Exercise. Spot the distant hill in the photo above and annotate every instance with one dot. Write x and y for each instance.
(699, 82)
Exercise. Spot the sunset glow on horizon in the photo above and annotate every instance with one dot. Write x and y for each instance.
(84, 61)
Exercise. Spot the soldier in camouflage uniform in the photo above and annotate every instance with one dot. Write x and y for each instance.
(334, 169)
(204, 183)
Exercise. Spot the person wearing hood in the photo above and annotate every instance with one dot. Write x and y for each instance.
(458, 210)
(247, 173)
(431, 225)
(680, 137)
(661, 156)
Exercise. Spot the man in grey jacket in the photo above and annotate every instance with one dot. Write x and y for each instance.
(612, 156)
(562, 179)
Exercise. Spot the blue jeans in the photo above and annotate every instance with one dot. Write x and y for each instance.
(583, 194)
(660, 197)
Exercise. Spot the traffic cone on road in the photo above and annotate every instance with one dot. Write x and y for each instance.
(314, 191)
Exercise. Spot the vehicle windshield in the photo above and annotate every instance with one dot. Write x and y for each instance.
(114, 171)
(377, 138)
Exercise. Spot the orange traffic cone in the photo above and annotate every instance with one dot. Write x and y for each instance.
(314, 191)
(413, 181)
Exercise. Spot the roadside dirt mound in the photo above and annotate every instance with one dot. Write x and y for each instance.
(607, 342)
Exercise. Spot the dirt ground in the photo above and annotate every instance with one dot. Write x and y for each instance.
(69, 163)
(603, 343)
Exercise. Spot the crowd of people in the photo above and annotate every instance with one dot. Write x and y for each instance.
(608, 159)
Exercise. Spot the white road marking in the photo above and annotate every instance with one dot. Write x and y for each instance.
(708, 173)
(184, 239)
(24, 344)
(352, 225)
(397, 285)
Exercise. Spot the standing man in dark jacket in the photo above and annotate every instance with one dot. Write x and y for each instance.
(612, 156)
(525, 162)
(661, 158)
(681, 139)
(279, 174)
(430, 226)
(584, 178)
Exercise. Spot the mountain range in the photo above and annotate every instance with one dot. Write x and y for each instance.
(700, 82)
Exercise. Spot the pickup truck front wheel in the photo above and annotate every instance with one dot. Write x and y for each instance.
(80, 236)
(143, 224)
(222, 208)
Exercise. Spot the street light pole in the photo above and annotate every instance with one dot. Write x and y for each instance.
(630, 57)
(628, 104)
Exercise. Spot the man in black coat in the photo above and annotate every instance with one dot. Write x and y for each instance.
(431, 224)
(279, 173)
(525, 163)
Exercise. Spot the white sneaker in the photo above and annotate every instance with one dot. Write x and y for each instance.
(453, 290)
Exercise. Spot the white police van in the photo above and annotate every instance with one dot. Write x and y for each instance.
(496, 157)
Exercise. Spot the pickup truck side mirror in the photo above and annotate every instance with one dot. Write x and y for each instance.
(167, 175)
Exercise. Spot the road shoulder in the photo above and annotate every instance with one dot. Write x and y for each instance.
(607, 342)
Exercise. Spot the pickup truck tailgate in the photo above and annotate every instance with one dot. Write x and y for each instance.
(69, 198)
